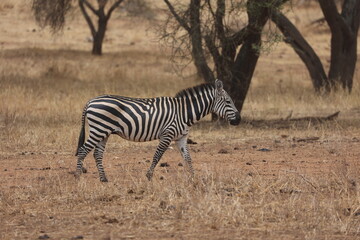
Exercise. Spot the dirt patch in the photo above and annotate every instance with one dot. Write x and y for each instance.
(268, 158)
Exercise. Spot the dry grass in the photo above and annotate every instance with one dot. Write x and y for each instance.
(44, 92)
(215, 205)
(304, 191)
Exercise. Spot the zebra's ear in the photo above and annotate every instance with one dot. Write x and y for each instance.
(218, 85)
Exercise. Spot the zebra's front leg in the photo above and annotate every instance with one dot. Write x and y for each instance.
(98, 155)
(162, 147)
(183, 148)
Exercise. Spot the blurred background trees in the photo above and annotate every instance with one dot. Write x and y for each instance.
(225, 38)
(103, 16)
(223, 45)
(53, 13)
(344, 25)
(217, 33)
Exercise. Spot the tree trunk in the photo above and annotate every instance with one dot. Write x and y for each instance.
(351, 15)
(244, 67)
(197, 51)
(304, 51)
(100, 33)
(348, 66)
(248, 56)
(344, 29)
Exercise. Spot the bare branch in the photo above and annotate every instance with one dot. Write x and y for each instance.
(113, 7)
(210, 8)
(219, 16)
(214, 51)
(87, 17)
(177, 17)
(96, 12)
(102, 3)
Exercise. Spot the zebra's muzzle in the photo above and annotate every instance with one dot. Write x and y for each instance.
(237, 119)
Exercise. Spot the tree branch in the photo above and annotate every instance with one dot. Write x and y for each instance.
(112, 8)
(303, 49)
(245, 61)
(213, 51)
(196, 41)
(210, 8)
(238, 38)
(177, 17)
(333, 18)
(96, 12)
(219, 17)
(351, 14)
(87, 17)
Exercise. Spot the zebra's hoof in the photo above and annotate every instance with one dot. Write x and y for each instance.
(84, 170)
(149, 176)
(103, 180)
(77, 175)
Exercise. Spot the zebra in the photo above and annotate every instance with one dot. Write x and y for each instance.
(145, 119)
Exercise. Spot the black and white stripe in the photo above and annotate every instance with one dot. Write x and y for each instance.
(164, 118)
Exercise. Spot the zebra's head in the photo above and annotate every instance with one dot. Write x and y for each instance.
(224, 105)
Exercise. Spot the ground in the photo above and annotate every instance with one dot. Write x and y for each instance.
(284, 187)
(288, 171)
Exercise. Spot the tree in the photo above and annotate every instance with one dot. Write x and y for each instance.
(234, 50)
(344, 28)
(98, 33)
(53, 13)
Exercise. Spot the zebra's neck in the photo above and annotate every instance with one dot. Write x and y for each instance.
(196, 102)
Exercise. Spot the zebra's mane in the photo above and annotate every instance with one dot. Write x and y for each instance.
(196, 88)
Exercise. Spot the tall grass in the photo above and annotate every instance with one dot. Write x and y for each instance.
(43, 93)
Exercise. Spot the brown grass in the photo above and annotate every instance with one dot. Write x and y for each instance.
(299, 190)
(215, 204)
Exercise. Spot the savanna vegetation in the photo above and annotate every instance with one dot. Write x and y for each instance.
(288, 171)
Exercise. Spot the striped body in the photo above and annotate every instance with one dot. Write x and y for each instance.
(140, 120)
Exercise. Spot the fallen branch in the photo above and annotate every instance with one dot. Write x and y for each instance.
(287, 122)
(308, 139)
(320, 119)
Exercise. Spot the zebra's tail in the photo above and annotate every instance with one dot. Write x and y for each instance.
(82, 131)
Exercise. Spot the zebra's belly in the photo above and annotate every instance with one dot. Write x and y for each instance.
(140, 137)
(137, 139)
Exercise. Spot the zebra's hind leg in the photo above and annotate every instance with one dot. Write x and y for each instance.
(162, 147)
(182, 145)
(98, 155)
(81, 154)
